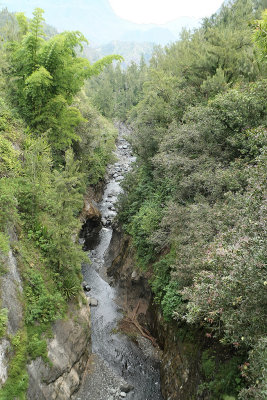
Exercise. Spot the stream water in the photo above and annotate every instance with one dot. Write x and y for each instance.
(131, 368)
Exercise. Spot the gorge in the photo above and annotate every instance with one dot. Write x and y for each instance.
(118, 365)
(133, 253)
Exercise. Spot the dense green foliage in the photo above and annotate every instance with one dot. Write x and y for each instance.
(48, 76)
(220, 378)
(194, 203)
(115, 91)
(53, 143)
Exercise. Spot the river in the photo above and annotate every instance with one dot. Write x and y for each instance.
(118, 368)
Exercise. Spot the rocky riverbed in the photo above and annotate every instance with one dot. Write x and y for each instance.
(119, 367)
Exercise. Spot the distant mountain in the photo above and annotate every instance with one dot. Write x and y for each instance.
(131, 51)
(106, 32)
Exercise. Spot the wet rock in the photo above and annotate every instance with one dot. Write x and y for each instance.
(85, 286)
(111, 214)
(104, 221)
(126, 388)
(134, 276)
(93, 302)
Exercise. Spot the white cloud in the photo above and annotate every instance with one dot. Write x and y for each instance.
(161, 11)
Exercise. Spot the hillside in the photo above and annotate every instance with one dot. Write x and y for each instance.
(194, 204)
(130, 51)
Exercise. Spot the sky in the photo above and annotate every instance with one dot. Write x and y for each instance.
(102, 21)
(162, 11)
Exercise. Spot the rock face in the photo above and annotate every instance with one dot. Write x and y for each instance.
(91, 211)
(68, 351)
(181, 360)
(70, 346)
(134, 285)
(11, 288)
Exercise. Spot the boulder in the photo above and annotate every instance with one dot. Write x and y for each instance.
(93, 302)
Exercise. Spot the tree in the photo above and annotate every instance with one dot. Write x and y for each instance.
(260, 35)
(48, 74)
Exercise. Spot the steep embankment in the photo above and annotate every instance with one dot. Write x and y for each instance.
(195, 203)
(53, 144)
(44, 315)
(68, 352)
(57, 357)
(45, 337)
(11, 290)
(57, 374)
(189, 358)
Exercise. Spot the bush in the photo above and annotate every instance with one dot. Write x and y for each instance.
(171, 300)
(42, 306)
(3, 321)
